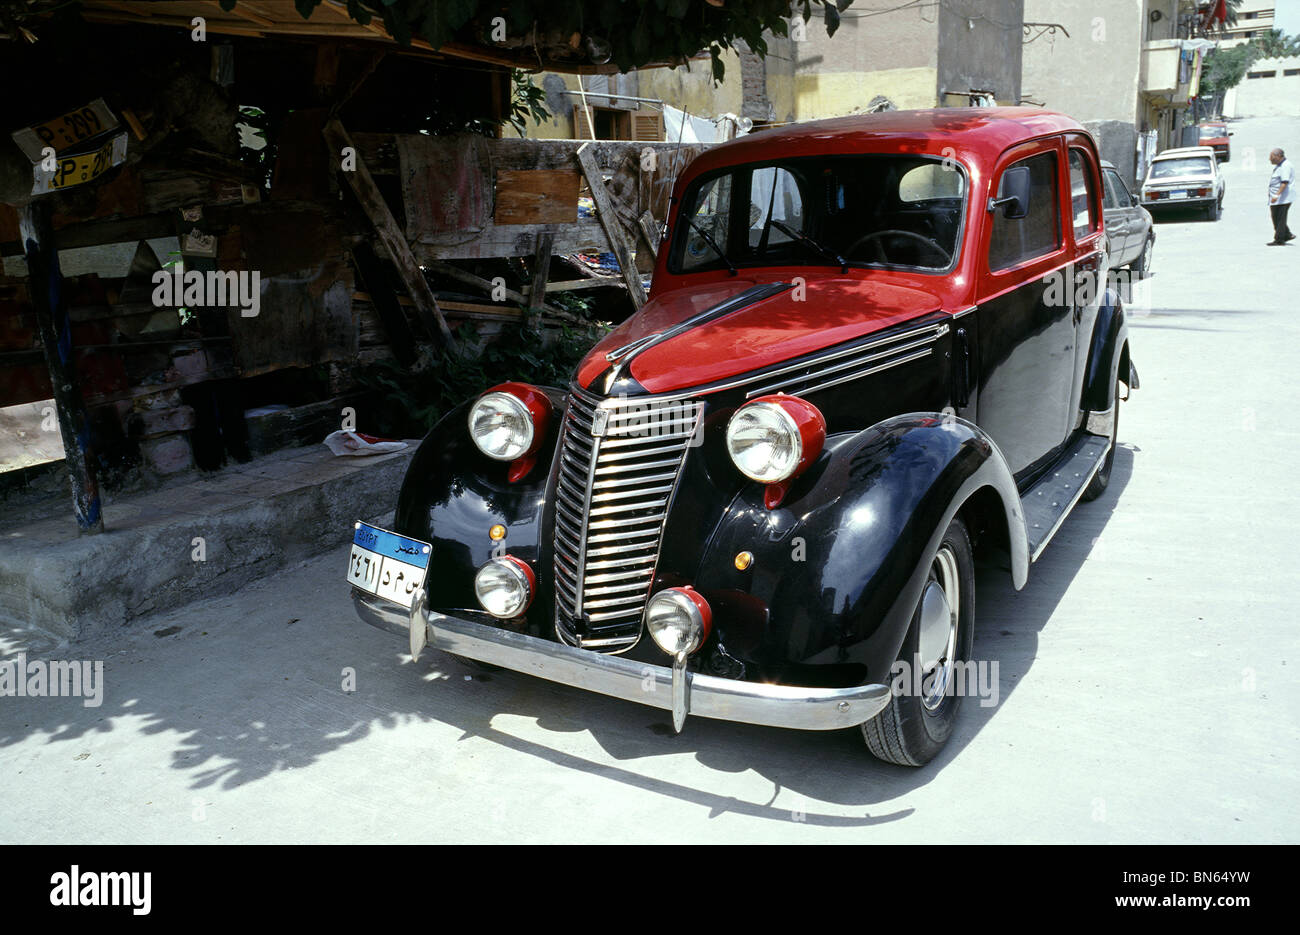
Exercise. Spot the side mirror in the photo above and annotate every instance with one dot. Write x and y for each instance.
(1013, 193)
(1230, 133)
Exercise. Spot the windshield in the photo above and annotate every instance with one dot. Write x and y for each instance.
(1210, 133)
(868, 210)
(1185, 165)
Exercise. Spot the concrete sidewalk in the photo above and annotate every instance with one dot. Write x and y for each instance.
(202, 536)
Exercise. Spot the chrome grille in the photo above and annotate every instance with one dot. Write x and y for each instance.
(612, 495)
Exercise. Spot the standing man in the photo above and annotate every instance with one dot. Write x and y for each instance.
(1281, 188)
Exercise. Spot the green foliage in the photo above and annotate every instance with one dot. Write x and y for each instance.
(1276, 44)
(1225, 68)
(415, 401)
(638, 32)
(526, 101)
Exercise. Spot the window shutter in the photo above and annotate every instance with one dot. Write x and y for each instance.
(647, 126)
(582, 129)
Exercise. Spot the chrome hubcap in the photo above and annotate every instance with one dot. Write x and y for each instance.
(937, 642)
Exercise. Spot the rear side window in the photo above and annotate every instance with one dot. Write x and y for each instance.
(1082, 197)
(1116, 189)
(1015, 240)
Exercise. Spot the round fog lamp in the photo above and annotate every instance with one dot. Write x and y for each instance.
(678, 620)
(504, 587)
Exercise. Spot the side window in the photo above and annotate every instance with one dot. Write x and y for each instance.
(774, 193)
(1082, 197)
(1014, 240)
(709, 214)
(1110, 191)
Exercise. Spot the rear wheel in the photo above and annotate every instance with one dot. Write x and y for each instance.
(922, 710)
(1141, 267)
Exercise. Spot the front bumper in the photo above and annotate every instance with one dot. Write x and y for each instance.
(681, 692)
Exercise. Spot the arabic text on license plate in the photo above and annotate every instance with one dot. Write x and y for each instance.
(386, 564)
(1178, 194)
(79, 169)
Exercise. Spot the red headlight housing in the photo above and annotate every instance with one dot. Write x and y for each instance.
(773, 439)
(509, 422)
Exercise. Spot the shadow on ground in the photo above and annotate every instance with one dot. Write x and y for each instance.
(259, 691)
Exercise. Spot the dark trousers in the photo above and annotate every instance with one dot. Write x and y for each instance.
(1281, 232)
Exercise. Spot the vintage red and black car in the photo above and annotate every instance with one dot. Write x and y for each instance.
(874, 347)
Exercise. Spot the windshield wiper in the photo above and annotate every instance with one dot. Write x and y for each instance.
(708, 239)
(809, 242)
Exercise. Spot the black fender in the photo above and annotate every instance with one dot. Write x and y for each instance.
(1107, 350)
(453, 494)
(839, 566)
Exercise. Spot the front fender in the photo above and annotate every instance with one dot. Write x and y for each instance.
(453, 494)
(839, 567)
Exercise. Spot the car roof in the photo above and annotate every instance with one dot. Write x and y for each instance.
(977, 133)
(1187, 151)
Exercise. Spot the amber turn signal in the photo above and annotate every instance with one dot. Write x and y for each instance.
(744, 560)
(497, 533)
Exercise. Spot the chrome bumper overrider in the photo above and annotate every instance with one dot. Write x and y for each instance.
(703, 695)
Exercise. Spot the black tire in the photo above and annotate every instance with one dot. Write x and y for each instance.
(1097, 486)
(909, 732)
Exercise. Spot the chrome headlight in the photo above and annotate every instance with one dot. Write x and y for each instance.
(504, 586)
(678, 620)
(501, 424)
(764, 443)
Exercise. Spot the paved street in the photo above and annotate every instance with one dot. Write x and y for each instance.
(1148, 672)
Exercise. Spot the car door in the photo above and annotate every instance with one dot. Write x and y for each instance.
(1119, 220)
(1026, 333)
(1139, 220)
(1089, 259)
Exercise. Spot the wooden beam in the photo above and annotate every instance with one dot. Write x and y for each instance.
(485, 285)
(605, 213)
(390, 235)
(574, 285)
(50, 306)
(371, 273)
(541, 272)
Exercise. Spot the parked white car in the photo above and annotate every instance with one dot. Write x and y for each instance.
(1184, 178)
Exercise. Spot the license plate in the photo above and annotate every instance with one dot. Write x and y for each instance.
(77, 170)
(387, 565)
(1177, 194)
(67, 130)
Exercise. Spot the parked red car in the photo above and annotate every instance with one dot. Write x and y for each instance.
(1214, 134)
(875, 347)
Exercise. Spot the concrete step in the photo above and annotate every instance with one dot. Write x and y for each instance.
(197, 537)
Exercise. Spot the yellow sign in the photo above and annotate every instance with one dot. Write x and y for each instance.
(79, 169)
(67, 131)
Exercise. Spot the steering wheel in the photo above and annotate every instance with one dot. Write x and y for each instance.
(932, 244)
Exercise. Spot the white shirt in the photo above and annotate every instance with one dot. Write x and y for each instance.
(1282, 172)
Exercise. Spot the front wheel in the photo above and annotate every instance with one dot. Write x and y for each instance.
(930, 675)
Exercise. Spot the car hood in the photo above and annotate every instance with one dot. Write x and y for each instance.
(760, 333)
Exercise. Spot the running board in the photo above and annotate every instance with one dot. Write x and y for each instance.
(1049, 502)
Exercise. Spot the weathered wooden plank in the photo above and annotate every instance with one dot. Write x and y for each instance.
(583, 236)
(484, 285)
(391, 236)
(536, 196)
(605, 213)
(574, 285)
(541, 272)
(52, 321)
(385, 301)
